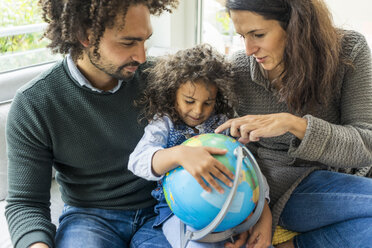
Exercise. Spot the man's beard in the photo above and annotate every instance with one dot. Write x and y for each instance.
(111, 70)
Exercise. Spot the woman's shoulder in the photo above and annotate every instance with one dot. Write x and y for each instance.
(352, 42)
(240, 61)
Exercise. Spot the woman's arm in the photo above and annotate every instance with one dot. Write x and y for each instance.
(251, 128)
(342, 137)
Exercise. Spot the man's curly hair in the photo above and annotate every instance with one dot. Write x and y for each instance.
(201, 63)
(69, 20)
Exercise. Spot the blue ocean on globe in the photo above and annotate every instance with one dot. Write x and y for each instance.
(196, 207)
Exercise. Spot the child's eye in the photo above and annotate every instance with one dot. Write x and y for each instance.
(189, 102)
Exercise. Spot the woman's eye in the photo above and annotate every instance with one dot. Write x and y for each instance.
(259, 35)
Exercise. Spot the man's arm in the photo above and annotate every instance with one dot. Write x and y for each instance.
(29, 175)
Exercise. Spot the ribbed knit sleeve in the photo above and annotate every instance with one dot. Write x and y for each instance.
(28, 196)
(349, 143)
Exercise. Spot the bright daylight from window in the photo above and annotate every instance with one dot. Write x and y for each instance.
(21, 28)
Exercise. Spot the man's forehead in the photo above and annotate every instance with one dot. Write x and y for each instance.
(136, 16)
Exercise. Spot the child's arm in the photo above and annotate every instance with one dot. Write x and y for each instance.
(260, 234)
(197, 161)
(150, 160)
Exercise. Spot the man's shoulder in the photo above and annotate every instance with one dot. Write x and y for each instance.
(45, 79)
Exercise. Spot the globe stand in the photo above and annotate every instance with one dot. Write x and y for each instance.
(206, 234)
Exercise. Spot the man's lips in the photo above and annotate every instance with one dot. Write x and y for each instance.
(131, 68)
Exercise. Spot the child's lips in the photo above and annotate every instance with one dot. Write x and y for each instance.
(195, 119)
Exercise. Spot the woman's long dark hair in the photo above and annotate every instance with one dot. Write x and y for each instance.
(312, 54)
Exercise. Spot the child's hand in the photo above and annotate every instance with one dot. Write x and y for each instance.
(242, 238)
(201, 165)
(259, 234)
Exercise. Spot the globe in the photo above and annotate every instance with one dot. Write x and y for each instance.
(196, 207)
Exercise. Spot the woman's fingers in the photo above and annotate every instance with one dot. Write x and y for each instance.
(223, 127)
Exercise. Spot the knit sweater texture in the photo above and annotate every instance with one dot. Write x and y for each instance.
(86, 136)
(338, 136)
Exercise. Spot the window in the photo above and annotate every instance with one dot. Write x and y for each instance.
(218, 29)
(21, 30)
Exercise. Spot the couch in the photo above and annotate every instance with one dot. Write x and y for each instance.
(9, 83)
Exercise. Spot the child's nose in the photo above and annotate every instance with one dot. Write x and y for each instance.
(198, 109)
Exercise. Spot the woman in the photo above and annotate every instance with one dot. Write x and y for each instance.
(305, 97)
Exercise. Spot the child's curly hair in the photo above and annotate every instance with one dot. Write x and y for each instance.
(200, 63)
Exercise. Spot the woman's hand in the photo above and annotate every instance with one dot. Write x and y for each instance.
(253, 127)
(198, 161)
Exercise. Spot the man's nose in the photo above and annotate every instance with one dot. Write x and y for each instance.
(140, 54)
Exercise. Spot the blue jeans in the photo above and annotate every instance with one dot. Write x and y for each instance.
(330, 209)
(96, 228)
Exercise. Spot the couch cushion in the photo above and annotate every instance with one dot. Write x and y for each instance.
(56, 210)
(4, 108)
(5, 241)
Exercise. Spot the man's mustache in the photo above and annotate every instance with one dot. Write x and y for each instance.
(134, 63)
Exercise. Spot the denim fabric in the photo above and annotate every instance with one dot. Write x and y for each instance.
(161, 209)
(172, 232)
(96, 228)
(331, 210)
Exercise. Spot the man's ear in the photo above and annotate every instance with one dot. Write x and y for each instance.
(85, 38)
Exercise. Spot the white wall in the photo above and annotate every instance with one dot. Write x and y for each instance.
(356, 15)
(175, 31)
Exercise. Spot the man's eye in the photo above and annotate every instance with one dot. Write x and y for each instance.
(128, 44)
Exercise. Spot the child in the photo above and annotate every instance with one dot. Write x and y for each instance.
(189, 93)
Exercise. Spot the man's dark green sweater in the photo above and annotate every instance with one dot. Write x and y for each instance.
(86, 136)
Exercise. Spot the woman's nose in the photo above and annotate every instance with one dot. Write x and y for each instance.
(250, 47)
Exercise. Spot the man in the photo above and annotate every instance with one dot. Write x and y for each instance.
(79, 118)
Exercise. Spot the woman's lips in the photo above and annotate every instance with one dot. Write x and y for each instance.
(260, 60)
